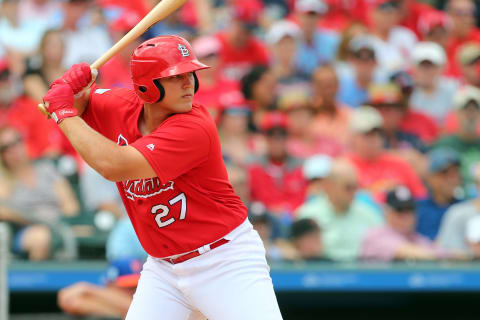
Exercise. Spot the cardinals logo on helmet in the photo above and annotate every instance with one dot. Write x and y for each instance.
(183, 50)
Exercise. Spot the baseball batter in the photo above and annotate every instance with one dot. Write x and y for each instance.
(205, 260)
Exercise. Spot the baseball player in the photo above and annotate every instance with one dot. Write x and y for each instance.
(164, 153)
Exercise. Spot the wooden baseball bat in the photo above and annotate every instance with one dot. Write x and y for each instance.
(158, 13)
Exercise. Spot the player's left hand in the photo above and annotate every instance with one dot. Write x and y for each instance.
(59, 102)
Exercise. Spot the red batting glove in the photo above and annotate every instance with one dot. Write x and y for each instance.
(59, 102)
(77, 77)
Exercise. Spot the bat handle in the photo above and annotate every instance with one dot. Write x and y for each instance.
(43, 108)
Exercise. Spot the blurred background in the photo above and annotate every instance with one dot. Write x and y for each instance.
(350, 129)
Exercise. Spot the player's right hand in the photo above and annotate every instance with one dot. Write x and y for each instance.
(78, 77)
(59, 102)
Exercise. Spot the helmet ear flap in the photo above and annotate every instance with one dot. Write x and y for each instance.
(197, 83)
(160, 89)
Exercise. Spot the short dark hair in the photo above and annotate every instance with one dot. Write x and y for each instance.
(249, 80)
(302, 227)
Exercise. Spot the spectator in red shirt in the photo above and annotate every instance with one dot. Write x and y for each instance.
(215, 90)
(378, 171)
(240, 50)
(462, 13)
(116, 72)
(469, 60)
(434, 26)
(414, 122)
(276, 179)
(41, 137)
(412, 12)
(330, 124)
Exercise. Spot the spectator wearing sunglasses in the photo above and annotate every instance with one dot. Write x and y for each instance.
(343, 218)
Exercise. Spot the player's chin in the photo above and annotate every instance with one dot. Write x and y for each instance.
(185, 106)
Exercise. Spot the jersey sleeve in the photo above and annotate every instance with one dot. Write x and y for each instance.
(174, 149)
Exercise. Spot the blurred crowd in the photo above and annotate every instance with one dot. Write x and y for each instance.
(349, 128)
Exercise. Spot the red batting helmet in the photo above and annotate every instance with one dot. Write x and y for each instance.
(161, 57)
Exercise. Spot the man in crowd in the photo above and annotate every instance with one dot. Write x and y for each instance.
(276, 179)
(465, 139)
(343, 218)
(443, 180)
(397, 239)
(378, 171)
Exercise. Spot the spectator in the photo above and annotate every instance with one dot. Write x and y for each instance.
(315, 170)
(306, 237)
(316, 46)
(342, 217)
(237, 143)
(388, 100)
(19, 37)
(378, 171)
(412, 12)
(84, 41)
(44, 68)
(459, 228)
(330, 124)
(282, 38)
(116, 71)
(295, 102)
(462, 13)
(39, 10)
(465, 139)
(414, 122)
(259, 88)
(172, 25)
(397, 239)
(110, 300)
(468, 58)
(215, 90)
(240, 50)
(276, 179)
(443, 181)
(359, 73)
(393, 43)
(355, 29)
(434, 26)
(42, 138)
(433, 94)
(269, 230)
(35, 195)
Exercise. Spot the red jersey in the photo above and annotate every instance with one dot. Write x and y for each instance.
(452, 48)
(386, 172)
(421, 125)
(191, 202)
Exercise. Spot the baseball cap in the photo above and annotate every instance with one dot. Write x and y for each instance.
(465, 95)
(432, 19)
(125, 22)
(294, 98)
(124, 273)
(400, 199)
(274, 120)
(282, 29)
(362, 43)
(365, 119)
(442, 158)
(257, 212)
(469, 53)
(317, 6)
(302, 227)
(384, 94)
(205, 46)
(429, 51)
(233, 103)
(472, 231)
(247, 11)
(317, 167)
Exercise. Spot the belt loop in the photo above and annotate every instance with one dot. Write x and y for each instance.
(204, 249)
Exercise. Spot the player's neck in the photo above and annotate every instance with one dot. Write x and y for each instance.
(151, 118)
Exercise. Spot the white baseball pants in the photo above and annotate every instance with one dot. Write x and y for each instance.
(231, 282)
